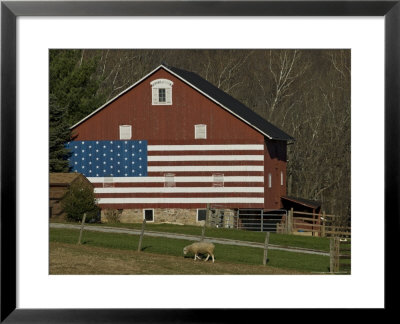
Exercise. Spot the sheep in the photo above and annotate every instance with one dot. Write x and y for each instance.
(200, 247)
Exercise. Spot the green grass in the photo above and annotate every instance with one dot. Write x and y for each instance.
(224, 253)
(308, 242)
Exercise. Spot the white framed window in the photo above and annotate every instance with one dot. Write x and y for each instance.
(148, 215)
(161, 92)
(125, 132)
(201, 215)
(200, 131)
(281, 178)
(218, 180)
(169, 180)
(269, 180)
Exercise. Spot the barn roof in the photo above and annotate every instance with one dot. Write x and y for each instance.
(231, 104)
(65, 179)
(304, 202)
(219, 97)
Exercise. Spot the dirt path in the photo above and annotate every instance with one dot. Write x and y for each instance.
(106, 229)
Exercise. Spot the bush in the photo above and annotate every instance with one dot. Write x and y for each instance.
(80, 199)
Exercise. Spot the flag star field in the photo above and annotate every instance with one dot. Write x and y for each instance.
(121, 158)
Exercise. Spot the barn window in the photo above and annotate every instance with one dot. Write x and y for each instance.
(281, 178)
(148, 215)
(269, 180)
(125, 132)
(169, 180)
(201, 214)
(161, 92)
(218, 180)
(108, 182)
(200, 131)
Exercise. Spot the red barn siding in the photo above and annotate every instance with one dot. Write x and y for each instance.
(174, 124)
(166, 124)
(275, 163)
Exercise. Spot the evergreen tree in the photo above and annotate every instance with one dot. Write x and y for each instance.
(73, 95)
(80, 199)
(59, 134)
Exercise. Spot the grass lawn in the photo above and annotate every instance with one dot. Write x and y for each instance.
(308, 242)
(173, 247)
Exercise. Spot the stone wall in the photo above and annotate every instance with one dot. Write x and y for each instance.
(161, 215)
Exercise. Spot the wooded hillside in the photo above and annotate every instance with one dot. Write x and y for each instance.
(304, 92)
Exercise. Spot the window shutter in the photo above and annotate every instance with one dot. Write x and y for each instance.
(155, 96)
(200, 131)
(125, 132)
(168, 95)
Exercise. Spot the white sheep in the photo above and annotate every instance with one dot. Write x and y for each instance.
(200, 247)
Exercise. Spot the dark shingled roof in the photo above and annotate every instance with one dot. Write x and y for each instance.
(232, 104)
(305, 202)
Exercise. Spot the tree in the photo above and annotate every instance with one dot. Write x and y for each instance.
(73, 95)
(80, 199)
(74, 83)
(59, 134)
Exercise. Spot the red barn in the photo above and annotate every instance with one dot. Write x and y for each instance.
(172, 143)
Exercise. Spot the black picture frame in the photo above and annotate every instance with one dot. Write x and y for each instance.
(10, 10)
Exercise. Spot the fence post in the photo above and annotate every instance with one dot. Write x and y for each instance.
(334, 254)
(203, 230)
(331, 255)
(141, 235)
(82, 225)
(266, 248)
(290, 222)
(323, 225)
(262, 220)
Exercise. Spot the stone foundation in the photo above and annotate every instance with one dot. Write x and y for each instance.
(177, 216)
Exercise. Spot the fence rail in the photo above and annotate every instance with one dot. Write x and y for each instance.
(279, 221)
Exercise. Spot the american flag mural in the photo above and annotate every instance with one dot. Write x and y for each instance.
(137, 174)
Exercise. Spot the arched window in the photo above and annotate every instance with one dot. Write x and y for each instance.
(161, 92)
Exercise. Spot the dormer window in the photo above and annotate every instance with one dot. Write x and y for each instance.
(161, 92)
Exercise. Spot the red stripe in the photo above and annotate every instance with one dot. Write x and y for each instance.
(205, 142)
(185, 206)
(207, 152)
(178, 184)
(179, 195)
(208, 173)
(180, 163)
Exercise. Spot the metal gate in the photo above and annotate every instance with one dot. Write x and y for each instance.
(247, 219)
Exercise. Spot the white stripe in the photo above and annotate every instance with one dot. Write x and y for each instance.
(202, 168)
(206, 158)
(177, 189)
(222, 147)
(176, 179)
(160, 200)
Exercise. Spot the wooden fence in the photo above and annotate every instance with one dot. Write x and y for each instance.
(322, 225)
(340, 255)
